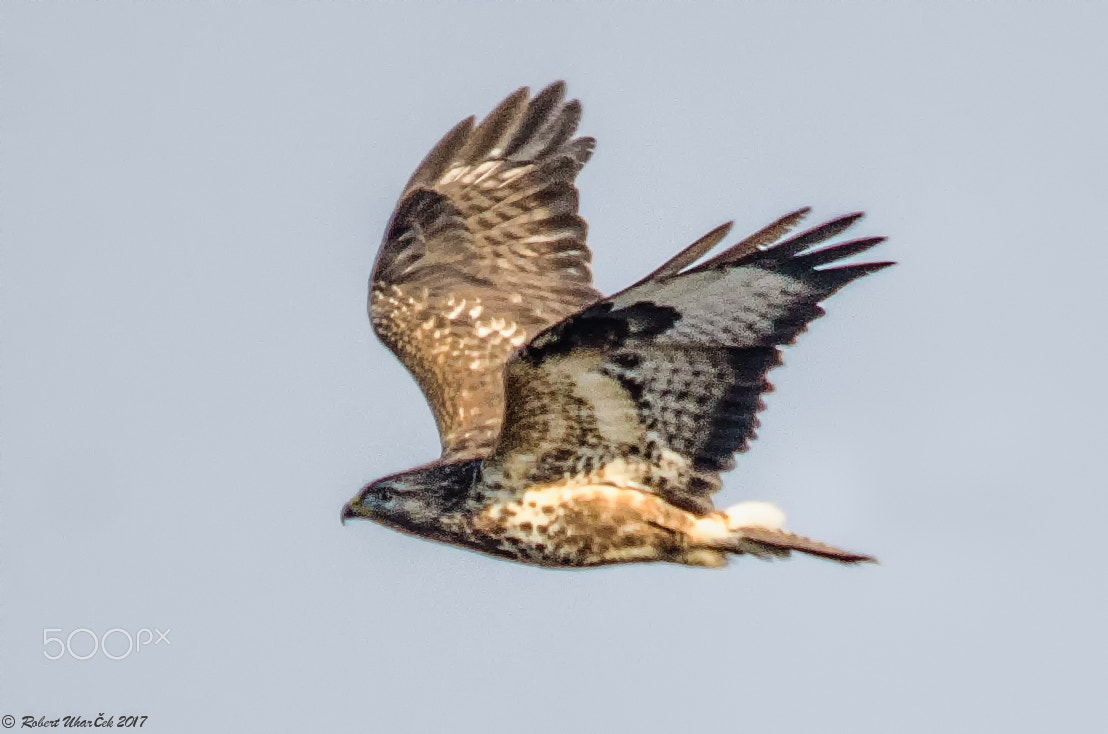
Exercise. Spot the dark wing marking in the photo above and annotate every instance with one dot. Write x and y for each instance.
(660, 385)
(485, 249)
(765, 236)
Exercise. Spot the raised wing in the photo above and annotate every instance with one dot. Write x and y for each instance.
(485, 250)
(659, 386)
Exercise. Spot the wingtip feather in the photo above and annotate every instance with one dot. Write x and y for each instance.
(495, 128)
(435, 163)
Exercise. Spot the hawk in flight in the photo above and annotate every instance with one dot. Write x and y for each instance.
(579, 430)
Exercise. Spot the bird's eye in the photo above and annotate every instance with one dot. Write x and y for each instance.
(384, 495)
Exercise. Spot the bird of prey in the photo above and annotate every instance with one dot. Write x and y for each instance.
(579, 430)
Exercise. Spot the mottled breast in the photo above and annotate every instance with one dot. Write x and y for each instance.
(564, 525)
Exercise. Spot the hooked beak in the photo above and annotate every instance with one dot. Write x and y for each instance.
(355, 508)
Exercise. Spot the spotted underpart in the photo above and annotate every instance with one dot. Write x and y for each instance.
(585, 526)
(578, 430)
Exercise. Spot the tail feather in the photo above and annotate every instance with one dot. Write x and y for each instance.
(756, 528)
(764, 541)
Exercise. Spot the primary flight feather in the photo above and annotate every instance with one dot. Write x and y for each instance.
(579, 430)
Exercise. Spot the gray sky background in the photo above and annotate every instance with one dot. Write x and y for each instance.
(192, 197)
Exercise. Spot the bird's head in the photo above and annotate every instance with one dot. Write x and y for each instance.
(414, 499)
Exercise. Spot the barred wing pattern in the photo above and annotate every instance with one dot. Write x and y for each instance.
(659, 386)
(485, 250)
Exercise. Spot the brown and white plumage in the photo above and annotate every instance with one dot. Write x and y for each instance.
(579, 430)
(484, 250)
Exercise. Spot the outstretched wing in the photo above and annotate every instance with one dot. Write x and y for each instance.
(659, 386)
(485, 249)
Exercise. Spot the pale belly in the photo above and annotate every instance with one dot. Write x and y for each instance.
(578, 526)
